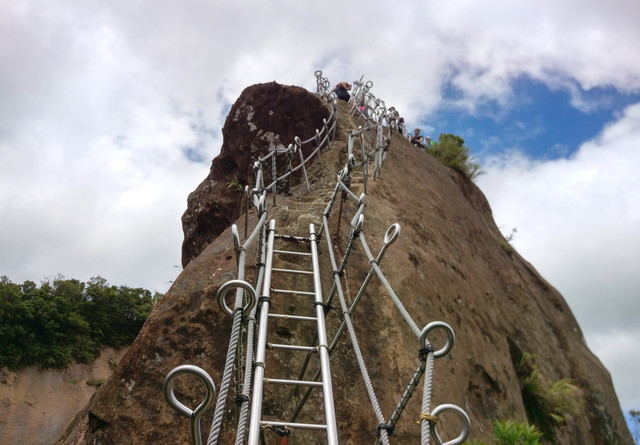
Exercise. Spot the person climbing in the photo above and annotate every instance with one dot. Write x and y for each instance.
(401, 125)
(392, 118)
(364, 109)
(342, 91)
(427, 144)
(417, 140)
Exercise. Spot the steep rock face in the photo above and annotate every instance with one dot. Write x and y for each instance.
(449, 263)
(264, 115)
(36, 406)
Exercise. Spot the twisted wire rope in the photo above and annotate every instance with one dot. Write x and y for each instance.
(246, 390)
(354, 341)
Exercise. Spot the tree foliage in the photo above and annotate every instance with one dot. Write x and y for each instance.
(63, 320)
(451, 151)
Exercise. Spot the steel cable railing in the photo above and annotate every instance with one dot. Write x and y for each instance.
(369, 141)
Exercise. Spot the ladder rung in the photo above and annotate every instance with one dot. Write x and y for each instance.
(292, 292)
(291, 252)
(303, 272)
(291, 237)
(292, 347)
(293, 382)
(292, 317)
(293, 425)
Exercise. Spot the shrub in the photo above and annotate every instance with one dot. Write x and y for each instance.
(235, 184)
(96, 382)
(548, 404)
(510, 432)
(451, 151)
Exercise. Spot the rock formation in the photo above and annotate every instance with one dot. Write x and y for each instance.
(449, 263)
(265, 115)
(37, 405)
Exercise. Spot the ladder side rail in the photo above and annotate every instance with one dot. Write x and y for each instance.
(256, 401)
(343, 324)
(330, 415)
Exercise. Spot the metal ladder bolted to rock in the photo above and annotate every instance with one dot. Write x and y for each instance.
(292, 301)
(314, 301)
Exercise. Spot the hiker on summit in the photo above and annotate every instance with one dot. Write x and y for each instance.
(401, 125)
(417, 140)
(342, 91)
(392, 118)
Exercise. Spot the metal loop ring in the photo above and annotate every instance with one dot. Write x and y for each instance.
(361, 199)
(196, 414)
(226, 287)
(392, 234)
(170, 396)
(262, 205)
(369, 84)
(466, 424)
(450, 337)
(389, 238)
(236, 239)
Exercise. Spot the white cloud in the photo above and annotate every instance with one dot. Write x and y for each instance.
(618, 349)
(578, 223)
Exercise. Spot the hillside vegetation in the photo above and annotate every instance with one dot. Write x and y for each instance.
(66, 320)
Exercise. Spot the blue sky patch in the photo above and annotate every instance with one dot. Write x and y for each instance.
(542, 122)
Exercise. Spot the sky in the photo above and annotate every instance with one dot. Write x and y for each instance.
(111, 112)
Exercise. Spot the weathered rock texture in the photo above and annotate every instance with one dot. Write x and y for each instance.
(264, 115)
(36, 406)
(450, 263)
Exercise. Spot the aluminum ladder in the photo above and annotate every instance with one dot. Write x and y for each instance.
(256, 422)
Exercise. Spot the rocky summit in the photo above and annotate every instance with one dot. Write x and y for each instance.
(519, 353)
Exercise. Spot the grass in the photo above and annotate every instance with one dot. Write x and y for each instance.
(548, 403)
(511, 432)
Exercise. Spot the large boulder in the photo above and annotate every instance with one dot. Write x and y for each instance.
(265, 115)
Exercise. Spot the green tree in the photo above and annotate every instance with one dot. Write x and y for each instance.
(16, 318)
(116, 314)
(451, 151)
(67, 320)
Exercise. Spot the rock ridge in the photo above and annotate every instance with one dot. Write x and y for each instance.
(449, 263)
